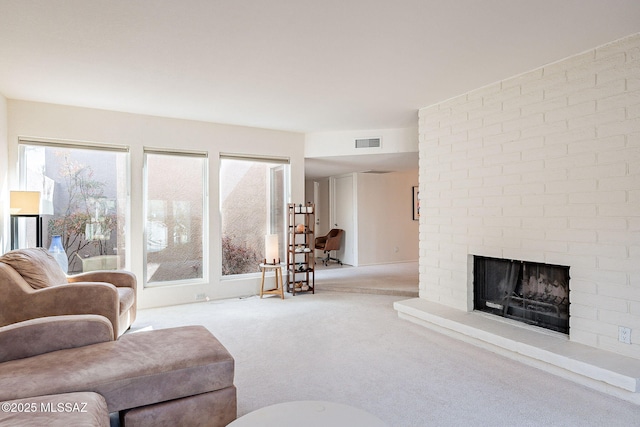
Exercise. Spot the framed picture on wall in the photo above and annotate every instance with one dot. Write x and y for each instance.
(416, 203)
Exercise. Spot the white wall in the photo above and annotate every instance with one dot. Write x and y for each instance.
(387, 232)
(137, 131)
(342, 143)
(543, 167)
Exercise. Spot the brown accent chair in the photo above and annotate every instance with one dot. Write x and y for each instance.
(33, 285)
(330, 242)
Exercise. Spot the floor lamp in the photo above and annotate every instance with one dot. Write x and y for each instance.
(25, 204)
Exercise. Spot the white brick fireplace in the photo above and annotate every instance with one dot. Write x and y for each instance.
(541, 167)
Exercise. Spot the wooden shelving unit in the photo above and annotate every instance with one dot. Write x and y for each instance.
(300, 248)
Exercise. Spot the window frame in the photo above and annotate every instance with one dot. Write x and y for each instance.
(53, 143)
(205, 216)
(285, 163)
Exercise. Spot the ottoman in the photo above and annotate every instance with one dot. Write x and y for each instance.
(177, 376)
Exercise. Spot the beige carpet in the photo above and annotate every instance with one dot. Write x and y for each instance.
(399, 279)
(352, 348)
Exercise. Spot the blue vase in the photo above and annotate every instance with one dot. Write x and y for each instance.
(59, 254)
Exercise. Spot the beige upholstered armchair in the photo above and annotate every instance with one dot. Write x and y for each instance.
(32, 285)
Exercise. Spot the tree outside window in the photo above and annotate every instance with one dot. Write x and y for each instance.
(84, 200)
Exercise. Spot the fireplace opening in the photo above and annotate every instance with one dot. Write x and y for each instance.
(533, 293)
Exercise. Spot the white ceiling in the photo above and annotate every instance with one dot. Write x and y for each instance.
(323, 167)
(299, 65)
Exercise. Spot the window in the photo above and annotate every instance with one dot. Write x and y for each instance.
(175, 202)
(84, 199)
(253, 194)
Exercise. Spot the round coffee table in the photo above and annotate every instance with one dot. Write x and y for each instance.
(308, 413)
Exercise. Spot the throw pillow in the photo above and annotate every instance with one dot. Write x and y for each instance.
(36, 266)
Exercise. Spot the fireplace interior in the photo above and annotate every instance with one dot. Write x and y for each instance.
(533, 293)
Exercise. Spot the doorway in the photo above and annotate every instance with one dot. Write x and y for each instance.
(343, 213)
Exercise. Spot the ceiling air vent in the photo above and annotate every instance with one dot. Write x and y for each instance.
(368, 143)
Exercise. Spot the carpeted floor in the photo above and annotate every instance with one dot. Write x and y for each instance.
(399, 279)
(352, 348)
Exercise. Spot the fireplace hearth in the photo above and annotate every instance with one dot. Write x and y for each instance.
(533, 293)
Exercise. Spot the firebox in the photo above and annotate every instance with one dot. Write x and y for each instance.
(530, 292)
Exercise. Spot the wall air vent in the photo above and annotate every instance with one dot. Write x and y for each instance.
(368, 143)
(376, 172)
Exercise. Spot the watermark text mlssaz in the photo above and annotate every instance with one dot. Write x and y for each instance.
(49, 407)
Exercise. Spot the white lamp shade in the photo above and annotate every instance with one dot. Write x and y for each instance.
(24, 202)
(271, 248)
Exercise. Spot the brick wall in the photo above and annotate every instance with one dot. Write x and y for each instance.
(542, 167)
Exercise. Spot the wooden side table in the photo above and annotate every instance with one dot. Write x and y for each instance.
(279, 290)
